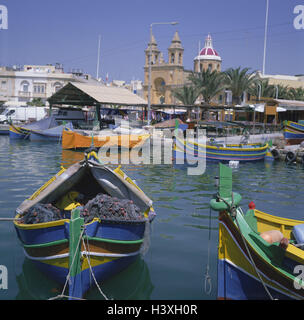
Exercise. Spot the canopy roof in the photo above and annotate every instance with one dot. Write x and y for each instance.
(84, 94)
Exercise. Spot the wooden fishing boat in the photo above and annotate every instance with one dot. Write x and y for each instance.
(251, 265)
(293, 132)
(82, 140)
(71, 249)
(16, 132)
(215, 152)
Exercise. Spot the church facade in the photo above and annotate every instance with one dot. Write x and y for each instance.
(167, 76)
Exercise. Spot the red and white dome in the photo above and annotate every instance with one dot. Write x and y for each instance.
(208, 53)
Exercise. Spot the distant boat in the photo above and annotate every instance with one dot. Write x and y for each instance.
(219, 152)
(47, 129)
(75, 239)
(293, 132)
(257, 252)
(72, 139)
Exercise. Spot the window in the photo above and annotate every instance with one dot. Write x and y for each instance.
(210, 67)
(172, 57)
(180, 58)
(25, 86)
(3, 85)
(39, 88)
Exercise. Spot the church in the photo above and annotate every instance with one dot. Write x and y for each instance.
(167, 76)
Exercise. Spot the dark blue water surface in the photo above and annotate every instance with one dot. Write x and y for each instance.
(182, 234)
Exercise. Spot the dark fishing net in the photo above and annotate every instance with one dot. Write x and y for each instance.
(102, 207)
(41, 213)
(111, 208)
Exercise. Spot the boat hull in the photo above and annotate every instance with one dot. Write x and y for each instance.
(108, 247)
(75, 140)
(240, 279)
(242, 153)
(17, 133)
(293, 132)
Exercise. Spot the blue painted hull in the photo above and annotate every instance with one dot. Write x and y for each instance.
(235, 284)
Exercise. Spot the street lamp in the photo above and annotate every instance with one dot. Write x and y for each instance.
(150, 58)
(265, 36)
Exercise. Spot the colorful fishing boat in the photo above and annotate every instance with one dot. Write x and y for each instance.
(218, 152)
(293, 132)
(71, 249)
(82, 140)
(16, 132)
(258, 253)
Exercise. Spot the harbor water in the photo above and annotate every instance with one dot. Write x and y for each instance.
(181, 261)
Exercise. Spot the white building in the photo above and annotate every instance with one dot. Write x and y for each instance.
(32, 81)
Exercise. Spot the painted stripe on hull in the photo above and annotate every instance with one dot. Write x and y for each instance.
(101, 272)
(232, 248)
(236, 284)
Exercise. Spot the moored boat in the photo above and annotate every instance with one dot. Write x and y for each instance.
(219, 152)
(82, 140)
(87, 222)
(293, 132)
(258, 253)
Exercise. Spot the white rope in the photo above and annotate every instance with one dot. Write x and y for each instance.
(69, 274)
(87, 253)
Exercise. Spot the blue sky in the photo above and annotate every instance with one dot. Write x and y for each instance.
(67, 31)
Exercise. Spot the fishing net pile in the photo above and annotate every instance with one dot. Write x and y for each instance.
(111, 208)
(41, 213)
(102, 206)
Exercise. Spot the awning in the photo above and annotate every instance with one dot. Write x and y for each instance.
(291, 105)
(84, 94)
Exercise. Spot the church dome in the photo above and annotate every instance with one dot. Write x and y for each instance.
(208, 53)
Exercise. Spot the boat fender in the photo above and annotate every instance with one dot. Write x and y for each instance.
(290, 157)
(275, 153)
(298, 233)
(272, 236)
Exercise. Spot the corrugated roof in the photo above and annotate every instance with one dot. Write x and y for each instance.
(90, 94)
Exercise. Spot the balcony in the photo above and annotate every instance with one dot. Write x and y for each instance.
(24, 94)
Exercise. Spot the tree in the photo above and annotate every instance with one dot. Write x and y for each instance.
(281, 92)
(187, 95)
(38, 102)
(261, 88)
(297, 93)
(208, 83)
(238, 81)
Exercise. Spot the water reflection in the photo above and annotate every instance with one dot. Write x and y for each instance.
(134, 283)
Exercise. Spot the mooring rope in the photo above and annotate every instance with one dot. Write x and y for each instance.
(69, 274)
(91, 270)
(208, 280)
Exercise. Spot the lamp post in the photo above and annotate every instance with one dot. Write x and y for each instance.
(150, 58)
(265, 36)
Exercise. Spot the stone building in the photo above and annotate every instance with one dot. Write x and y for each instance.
(167, 76)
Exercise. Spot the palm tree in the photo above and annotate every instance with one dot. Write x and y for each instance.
(261, 88)
(187, 95)
(208, 83)
(297, 93)
(281, 92)
(238, 81)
